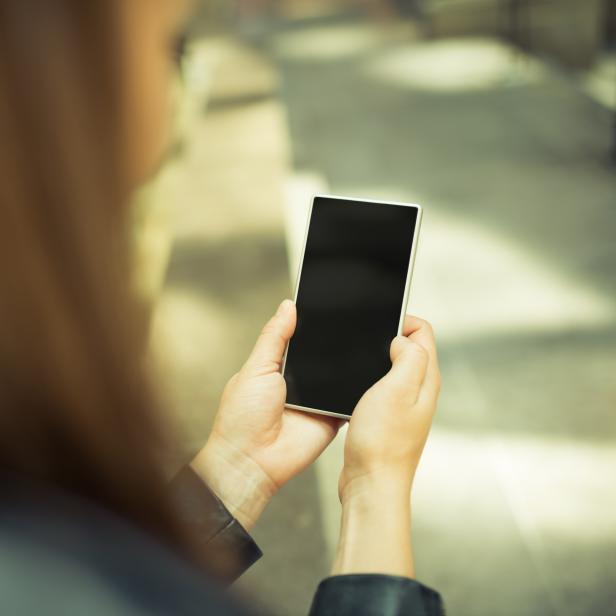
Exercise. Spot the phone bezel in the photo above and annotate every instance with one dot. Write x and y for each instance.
(407, 284)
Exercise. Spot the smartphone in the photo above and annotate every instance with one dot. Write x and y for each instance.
(351, 295)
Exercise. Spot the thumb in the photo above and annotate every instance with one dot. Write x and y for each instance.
(267, 353)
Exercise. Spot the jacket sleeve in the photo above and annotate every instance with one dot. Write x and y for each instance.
(375, 595)
(224, 547)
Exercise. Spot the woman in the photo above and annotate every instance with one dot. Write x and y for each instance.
(88, 522)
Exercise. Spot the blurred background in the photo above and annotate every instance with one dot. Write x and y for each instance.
(498, 116)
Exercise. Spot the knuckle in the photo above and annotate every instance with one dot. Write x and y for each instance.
(269, 328)
(427, 326)
(418, 350)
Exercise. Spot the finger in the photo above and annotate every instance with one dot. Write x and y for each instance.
(270, 346)
(409, 364)
(410, 324)
(413, 324)
(421, 332)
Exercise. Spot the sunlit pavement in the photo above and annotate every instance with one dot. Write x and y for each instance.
(514, 504)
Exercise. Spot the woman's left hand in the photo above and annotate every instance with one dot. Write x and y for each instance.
(257, 445)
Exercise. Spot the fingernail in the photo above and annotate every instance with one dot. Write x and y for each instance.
(284, 307)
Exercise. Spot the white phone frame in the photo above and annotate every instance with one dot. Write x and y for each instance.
(407, 284)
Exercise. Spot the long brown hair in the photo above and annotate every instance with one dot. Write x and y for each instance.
(75, 407)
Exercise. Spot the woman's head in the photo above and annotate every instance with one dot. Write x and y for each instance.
(82, 108)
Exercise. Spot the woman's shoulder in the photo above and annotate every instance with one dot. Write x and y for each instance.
(62, 555)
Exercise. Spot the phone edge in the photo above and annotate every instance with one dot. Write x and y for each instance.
(409, 274)
(307, 409)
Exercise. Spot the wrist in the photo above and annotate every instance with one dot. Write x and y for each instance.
(375, 532)
(361, 491)
(239, 482)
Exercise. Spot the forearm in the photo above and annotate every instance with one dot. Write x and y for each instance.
(375, 535)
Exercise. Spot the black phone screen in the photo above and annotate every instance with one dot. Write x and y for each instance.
(349, 301)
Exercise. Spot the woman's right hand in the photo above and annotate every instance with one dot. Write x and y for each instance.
(385, 439)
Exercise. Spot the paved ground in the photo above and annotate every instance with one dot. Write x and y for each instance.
(515, 506)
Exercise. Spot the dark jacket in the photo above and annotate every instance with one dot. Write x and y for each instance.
(63, 556)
